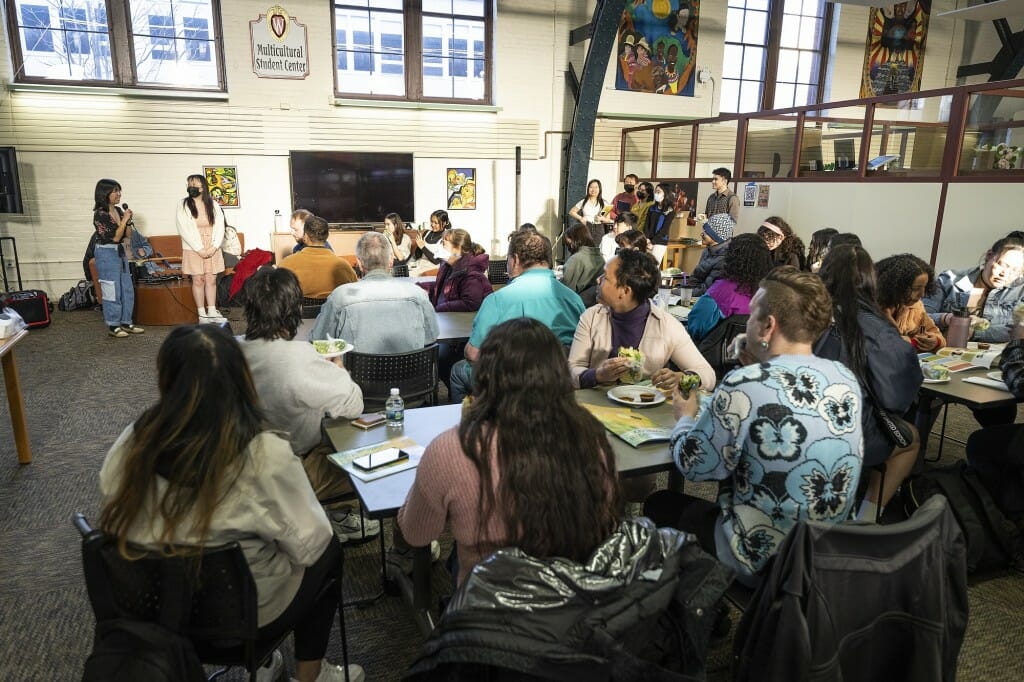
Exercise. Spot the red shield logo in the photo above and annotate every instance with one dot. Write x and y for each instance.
(278, 24)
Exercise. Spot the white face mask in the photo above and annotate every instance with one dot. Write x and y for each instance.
(659, 197)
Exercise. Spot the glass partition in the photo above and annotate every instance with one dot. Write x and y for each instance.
(639, 144)
(993, 142)
(769, 148)
(674, 152)
(716, 147)
(915, 132)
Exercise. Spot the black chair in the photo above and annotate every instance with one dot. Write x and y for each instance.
(401, 270)
(311, 307)
(497, 271)
(214, 606)
(715, 346)
(414, 374)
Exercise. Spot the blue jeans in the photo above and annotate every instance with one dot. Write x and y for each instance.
(115, 285)
(461, 381)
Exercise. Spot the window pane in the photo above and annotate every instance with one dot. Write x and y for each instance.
(175, 43)
(730, 96)
(808, 72)
(783, 96)
(733, 61)
(750, 97)
(810, 33)
(66, 41)
(790, 31)
(814, 8)
(450, 67)
(370, 52)
(753, 63)
(755, 28)
(757, 4)
(801, 95)
(368, 4)
(471, 8)
(734, 25)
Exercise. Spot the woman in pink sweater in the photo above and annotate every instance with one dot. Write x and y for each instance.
(527, 467)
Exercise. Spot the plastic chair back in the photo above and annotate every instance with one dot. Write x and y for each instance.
(400, 270)
(413, 373)
(497, 271)
(311, 307)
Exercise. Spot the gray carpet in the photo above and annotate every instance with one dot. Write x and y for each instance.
(82, 388)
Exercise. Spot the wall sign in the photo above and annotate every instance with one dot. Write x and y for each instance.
(280, 48)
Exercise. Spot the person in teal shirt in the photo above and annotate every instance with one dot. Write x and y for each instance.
(533, 292)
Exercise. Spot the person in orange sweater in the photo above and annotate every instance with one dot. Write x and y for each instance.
(319, 271)
(903, 280)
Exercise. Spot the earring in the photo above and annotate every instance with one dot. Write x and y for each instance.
(764, 345)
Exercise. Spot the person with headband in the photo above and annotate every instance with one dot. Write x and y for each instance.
(786, 247)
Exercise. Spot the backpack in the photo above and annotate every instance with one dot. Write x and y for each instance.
(993, 541)
(80, 297)
(133, 650)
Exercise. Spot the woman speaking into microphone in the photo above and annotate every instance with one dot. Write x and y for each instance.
(201, 226)
(112, 225)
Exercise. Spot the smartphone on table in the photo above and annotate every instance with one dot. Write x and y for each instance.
(376, 460)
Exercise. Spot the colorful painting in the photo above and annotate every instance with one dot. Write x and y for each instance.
(686, 200)
(657, 46)
(223, 182)
(461, 184)
(894, 54)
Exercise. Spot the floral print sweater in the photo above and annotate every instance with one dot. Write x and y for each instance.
(784, 439)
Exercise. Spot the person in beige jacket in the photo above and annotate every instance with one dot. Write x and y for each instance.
(625, 318)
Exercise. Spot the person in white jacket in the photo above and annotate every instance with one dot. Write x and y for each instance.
(201, 468)
(200, 223)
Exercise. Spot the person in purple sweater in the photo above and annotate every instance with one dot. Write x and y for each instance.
(461, 284)
(746, 263)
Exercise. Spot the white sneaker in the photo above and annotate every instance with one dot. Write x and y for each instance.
(335, 673)
(272, 670)
(349, 525)
(214, 316)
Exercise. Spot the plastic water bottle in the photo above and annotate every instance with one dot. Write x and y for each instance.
(394, 409)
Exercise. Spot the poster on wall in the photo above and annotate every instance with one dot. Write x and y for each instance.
(763, 192)
(223, 182)
(657, 46)
(461, 184)
(686, 200)
(749, 193)
(279, 45)
(894, 54)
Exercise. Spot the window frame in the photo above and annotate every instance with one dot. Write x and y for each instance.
(773, 46)
(413, 59)
(121, 43)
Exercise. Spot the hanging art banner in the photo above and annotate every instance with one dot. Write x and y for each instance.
(223, 183)
(657, 46)
(894, 55)
(280, 48)
(461, 183)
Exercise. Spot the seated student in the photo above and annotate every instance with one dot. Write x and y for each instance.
(297, 387)
(499, 478)
(989, 291)
(716, 237)
(532, 292)
(633, 240)
(625, 318)
(461, 284)
(864, 339)
(903, 280)
(786, 247)
(745, 264)
(585, 263)
(319, 271)
(378, 314)
(297, 224)
(430, 241)
(200, 468)
(624, 222)
(782, 433)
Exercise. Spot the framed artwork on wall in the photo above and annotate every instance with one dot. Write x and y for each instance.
(223, 182)
(461, 184)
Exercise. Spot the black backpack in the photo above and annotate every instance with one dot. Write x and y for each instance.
(993, 541)
(80, 297)
(133, 650)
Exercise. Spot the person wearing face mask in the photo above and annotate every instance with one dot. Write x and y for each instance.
(626, 199)
(644, 201)
(659, 220)
(988, 292)
(200, 223)
(461, 284)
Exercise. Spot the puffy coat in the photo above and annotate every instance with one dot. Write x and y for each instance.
(461, 287)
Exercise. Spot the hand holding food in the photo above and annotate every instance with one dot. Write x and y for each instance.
(685, 405)
(688, 381)
(665, 379)
(635, 365)
(979, 324)
(611, 369)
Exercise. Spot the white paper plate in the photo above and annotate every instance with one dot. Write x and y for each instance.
(630, 395)
(348, 347)
(995, 376)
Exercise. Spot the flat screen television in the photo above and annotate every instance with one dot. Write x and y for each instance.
(353, 187)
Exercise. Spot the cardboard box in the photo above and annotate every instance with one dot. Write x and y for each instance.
(679, 229)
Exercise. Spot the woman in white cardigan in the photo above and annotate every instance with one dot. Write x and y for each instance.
(201, 227)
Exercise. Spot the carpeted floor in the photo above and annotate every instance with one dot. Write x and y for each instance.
(82, 388)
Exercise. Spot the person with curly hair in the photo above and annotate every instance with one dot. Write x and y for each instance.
(786, 247)
(903, 280)
(746, 263)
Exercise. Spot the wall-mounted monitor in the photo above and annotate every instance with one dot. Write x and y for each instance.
(10, 188)
(353, 188)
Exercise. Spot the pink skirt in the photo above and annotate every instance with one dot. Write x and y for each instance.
(194, 264)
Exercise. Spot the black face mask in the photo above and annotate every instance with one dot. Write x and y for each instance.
(640, 194)
(629, 188)
(194, 192)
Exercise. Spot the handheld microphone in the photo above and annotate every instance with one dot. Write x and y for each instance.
(131, 221)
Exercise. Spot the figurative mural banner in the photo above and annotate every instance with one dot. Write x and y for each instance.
(223, 182)
(657, 46)
(894, 54)
(461, 183)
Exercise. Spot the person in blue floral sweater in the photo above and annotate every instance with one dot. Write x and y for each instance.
(782, 434)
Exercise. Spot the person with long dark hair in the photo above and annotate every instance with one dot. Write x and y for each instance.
(400, 240)
(786, 247)
(430, 241)
(112, 226)
(200, 468)
(865, 340)
(745, 264)
(592, 212)
(818, 246)
(644, 201)
(659, 220)
(527, 467)
(200, 223)
(903, 280)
